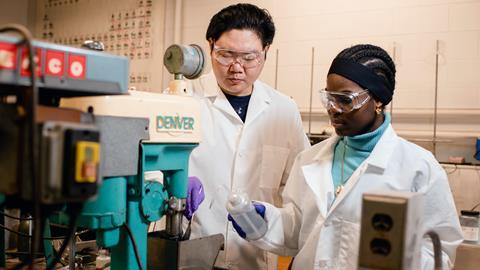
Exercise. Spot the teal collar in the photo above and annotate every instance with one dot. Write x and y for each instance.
(367, 141)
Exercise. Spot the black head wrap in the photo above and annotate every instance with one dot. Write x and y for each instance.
(377, 85)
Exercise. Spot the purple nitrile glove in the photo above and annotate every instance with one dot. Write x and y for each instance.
(195, 196)
(260, 208)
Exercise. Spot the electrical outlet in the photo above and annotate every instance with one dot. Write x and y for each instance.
(391, 231)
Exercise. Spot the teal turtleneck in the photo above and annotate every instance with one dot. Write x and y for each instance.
(353, 150)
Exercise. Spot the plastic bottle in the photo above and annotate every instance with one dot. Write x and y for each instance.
(243, 212)
(470, 222)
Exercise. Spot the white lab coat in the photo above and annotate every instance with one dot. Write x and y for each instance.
(255, 156)
(323, 237)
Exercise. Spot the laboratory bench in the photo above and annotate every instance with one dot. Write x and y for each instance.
(468, 257)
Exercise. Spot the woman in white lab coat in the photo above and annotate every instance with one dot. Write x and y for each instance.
(251, 133)
(319, 221)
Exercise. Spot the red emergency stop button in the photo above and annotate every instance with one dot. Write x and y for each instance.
(89, 170)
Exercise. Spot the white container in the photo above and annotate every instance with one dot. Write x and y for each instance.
(470, 221)
(243, 212)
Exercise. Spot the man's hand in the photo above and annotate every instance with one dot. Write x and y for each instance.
(195, 196)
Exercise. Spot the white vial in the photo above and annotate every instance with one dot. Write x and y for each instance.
(469, 220)
(243, 212)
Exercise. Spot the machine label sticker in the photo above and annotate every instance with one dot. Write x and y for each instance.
(37, 58)
(175, 123)
(55, 62)
(77, 66)
(8, 56)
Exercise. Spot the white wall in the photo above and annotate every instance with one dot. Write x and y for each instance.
(407, 29)
(17, 11)
(13, 12)
(465, 185)
(410, 27)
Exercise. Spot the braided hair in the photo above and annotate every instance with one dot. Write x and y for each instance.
(373, 57)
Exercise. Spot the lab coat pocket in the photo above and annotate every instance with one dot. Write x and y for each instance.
(349, 245)
(274, 159)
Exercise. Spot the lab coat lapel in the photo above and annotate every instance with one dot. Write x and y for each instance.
(319, 177)
(259, 101)
(348, 187)
(221, 103)
(383, 151)
(215, 94)
(375, 163)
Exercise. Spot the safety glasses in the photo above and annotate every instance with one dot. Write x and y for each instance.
(226, 57)
(344, 102)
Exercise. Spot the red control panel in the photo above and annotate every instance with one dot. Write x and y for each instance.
(68, 71)
(56, 63)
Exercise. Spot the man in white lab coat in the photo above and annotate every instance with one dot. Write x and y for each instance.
(319, 221)
(251, 132)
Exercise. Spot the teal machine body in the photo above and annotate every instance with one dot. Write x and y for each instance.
(135, 202)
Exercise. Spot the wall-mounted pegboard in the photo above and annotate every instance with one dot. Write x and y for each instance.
(132, 28)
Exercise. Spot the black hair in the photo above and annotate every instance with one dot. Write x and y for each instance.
(373, 57)
(242, 16)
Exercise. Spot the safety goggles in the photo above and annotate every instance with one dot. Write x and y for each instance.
(344, 102)
(226, 57)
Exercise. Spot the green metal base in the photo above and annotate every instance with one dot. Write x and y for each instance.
(128, 200)
(172, 160)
